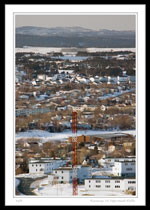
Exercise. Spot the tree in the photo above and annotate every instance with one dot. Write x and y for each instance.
(122, 121)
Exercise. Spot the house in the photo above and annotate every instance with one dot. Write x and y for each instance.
(41, 76)
(111, 148)
(92, 146)
(34, 145)
(103, 108)
(88, 115)
(109, 184)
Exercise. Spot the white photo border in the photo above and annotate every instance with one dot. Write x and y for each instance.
(11, 11)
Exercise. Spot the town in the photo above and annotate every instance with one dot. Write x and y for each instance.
(100, 87)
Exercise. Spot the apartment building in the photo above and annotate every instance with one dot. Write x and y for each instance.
(44, 165)
(65, 174)
(113, 184)
(110, 160)
(124, 168)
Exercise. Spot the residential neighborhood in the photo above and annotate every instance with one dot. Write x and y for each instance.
(101, 88)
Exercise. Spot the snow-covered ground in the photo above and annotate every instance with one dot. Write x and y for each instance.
(110, 49)
(66, 190)
(44, 50)
(41, 50)
(42, 187)
(47, 136)
(33, 176)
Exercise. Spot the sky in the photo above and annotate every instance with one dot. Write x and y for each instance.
(95, 22)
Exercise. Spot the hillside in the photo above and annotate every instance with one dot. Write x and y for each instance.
(73, 37)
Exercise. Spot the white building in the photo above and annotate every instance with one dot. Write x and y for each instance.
(65, 71)
(112, 184)
(110, 161)
(44, 165)
(124, 168)
(103, 108)
(111, 148)
(61, 108)
(64, 174)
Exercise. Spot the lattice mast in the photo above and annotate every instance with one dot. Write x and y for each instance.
(74, 152)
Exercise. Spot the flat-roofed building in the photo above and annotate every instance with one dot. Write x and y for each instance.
(110, 184)
(44, 165)
(65, 174)
(124, 168)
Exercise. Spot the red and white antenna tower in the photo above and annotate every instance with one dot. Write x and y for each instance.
(74, 151)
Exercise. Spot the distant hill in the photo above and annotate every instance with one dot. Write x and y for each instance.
(73, 37)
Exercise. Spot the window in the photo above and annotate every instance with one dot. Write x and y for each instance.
(36, 169)
(98, 186)
(98, 181)
(62, 172)
(62, 177)
(117, 181)
(36, 165)
(129, 169)
(117, 186)
(40, 164)
(132, 164)
(131, 182)
(107, 181)
(55, 172)
(32, 165)
(89, 181)
(89, 186)
(107, 186)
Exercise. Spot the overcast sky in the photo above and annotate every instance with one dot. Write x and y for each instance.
(96, 22)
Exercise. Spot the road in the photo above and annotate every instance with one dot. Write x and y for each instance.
(23, 187)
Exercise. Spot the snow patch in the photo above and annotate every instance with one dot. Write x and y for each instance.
(46, 136)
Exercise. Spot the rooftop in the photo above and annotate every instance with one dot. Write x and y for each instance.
(43, 160)
(63, 169)
(111, 178)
